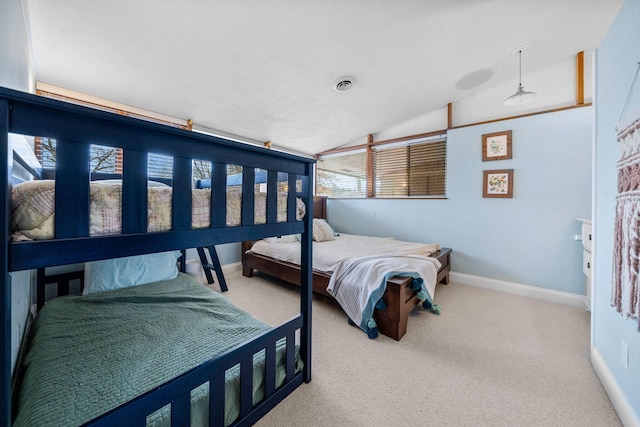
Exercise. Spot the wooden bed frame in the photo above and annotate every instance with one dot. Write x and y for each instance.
(399, 298)
(75, 128)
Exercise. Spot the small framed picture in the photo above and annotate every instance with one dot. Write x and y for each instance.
(498, 183)
(496, 146)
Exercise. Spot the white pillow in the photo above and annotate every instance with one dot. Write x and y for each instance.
(290, 238)
(322, 231)
(129, 271)
(119, 182)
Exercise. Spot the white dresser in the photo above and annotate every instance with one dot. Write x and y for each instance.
(587, 244)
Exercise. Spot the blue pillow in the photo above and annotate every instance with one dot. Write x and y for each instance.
(129, 271)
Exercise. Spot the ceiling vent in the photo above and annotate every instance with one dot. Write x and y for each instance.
(343, 84)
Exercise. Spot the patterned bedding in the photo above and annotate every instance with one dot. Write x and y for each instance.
(32, 208)
(89, 354)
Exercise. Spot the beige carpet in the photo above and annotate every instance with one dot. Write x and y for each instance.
(490, 359)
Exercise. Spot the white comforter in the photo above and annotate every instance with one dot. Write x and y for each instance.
(327, 255)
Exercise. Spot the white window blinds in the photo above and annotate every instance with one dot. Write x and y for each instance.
(342, 174)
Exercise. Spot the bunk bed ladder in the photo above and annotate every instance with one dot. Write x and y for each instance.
(214, 265)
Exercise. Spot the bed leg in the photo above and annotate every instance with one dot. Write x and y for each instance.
(443, 276)
(400, 300)
(247, 271)
(444, 256)
(246, 246)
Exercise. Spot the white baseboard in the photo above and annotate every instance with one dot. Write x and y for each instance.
(550, 295)
(622, 406)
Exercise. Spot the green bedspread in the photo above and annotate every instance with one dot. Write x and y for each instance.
(90, 354)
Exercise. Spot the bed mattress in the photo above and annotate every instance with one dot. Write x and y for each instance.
(90, 354)
(328, 254)
(33, 203)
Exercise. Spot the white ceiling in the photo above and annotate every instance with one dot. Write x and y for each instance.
(265, 70)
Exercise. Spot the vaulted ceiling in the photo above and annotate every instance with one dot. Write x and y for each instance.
(266, 70)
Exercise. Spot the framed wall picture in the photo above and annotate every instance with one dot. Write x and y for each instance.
(498, 183)
(496, 146)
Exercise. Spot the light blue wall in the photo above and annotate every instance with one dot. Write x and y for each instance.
(528, 239)
(617, 60)
(228, 253)
(16, 72)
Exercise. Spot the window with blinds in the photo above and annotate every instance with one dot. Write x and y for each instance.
(201, 169)
(159, 166)
(406, 168)
(109, 159)
(412, 170)
(342, 174)
(102, 159)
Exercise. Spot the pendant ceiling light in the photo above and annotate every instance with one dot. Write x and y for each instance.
(521, 96)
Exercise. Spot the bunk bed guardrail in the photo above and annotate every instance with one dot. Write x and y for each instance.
(75, 128)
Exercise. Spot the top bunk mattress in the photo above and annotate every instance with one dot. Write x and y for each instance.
(328, 254)
(33, 205)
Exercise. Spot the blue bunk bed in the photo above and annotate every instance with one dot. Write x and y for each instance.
(75, 128)
(211, 263)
